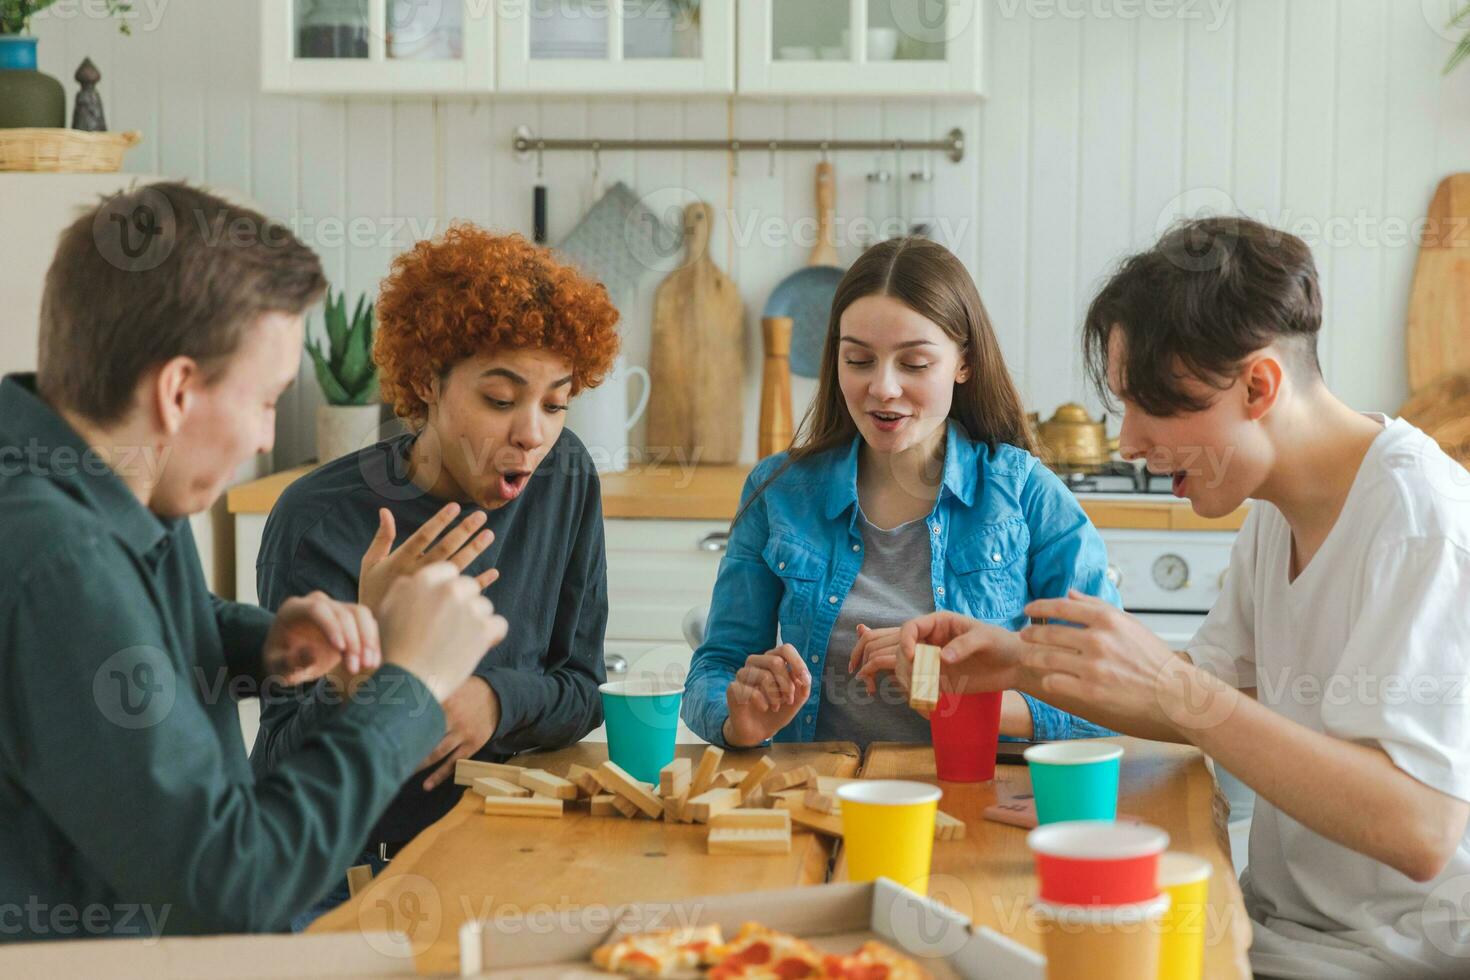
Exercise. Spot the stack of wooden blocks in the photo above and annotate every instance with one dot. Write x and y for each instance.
(748, 811)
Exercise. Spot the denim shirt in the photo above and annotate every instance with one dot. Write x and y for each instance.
(1004, 530)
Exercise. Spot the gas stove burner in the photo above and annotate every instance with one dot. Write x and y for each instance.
(1080, 482)
(1115, 476)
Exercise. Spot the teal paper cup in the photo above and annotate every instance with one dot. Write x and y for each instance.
(642, 719)
(1075, 780)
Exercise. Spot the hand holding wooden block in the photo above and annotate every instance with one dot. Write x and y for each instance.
(920, 676)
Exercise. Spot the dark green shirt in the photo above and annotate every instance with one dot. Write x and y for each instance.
(127, 804)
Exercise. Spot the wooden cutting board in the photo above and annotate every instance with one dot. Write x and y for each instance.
(697, 365)
(1442, 410)
(1438, 326)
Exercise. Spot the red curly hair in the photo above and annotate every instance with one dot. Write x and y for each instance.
(471, 292)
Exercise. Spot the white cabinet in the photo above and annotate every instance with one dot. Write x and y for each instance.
(617, 46)
(860, 47)
(377, 46)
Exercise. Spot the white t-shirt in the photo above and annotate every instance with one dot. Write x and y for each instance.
(1370, 644)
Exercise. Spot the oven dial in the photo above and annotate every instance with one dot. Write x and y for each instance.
(1171, 573)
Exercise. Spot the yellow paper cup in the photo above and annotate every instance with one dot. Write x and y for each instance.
(888, 830)
(1185, 878)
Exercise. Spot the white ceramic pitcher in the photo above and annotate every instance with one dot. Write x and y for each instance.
(600, 417)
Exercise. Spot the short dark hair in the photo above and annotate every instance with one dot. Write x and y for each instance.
(159, 272)
(1212, 292)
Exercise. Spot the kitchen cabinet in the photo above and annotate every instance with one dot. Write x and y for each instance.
(860, 47)
(645, 47)
(378, 47)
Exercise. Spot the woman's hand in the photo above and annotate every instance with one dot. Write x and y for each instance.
(974, 656)
(876, 651)
(382, 564)
(471, 715)
(765, 695)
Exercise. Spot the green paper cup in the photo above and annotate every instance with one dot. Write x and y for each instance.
(642, 719)
(1075, 780)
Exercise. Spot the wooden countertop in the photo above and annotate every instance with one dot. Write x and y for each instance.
(712, 493)
(468, 864)
(988, 875)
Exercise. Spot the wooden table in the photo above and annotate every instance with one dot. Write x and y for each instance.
(989, 876)
(468, 865)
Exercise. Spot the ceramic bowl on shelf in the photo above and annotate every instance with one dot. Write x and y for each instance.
(882, 43)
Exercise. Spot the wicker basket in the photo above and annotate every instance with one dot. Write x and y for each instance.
(64, 150)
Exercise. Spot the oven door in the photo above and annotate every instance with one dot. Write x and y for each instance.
(1175, 629)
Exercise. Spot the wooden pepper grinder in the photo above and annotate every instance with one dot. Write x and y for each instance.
(88, 116)
(775, 428)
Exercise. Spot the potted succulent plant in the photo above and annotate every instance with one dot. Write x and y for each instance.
(27, 97)
(349, 379)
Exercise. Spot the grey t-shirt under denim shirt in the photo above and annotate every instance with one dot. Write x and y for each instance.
(891, 588)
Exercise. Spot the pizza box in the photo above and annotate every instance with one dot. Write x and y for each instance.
(836, 918)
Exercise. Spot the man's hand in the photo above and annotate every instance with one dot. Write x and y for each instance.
(765, 695)
(313, 634)
(1116, 666)
(437, 626)
(974, 656)
(383, 564)
(875, 652)
(471, 715)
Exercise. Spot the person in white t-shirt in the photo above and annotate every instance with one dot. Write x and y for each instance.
(1331, 675)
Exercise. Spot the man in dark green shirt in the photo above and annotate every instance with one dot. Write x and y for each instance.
(128, 804)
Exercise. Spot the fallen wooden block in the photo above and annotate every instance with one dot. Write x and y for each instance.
(804, 816)
(626, 786)
(491, 786)
(757, 775)
(751, 819)
(704, 776)
(831, 784)
(466, 771)
(603, 805)
(584, 779)
(822, 802)
(790, 779)
(610, 785)
(947, 827)
(625, 806)
(359, 877)
(674, 778)
(543, 783)
(471, 949)
(921, 677)
(523, 806)
(728, 777)
(745, 840)
(704, 806)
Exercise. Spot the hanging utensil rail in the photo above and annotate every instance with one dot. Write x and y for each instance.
(527, 143)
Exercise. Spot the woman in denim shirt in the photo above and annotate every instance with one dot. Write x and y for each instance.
(910, 488)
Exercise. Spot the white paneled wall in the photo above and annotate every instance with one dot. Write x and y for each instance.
(1102, 122)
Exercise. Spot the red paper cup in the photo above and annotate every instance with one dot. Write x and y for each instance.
(1097, 862)
(966, 729)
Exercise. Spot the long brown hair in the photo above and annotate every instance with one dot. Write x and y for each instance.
(927, 278)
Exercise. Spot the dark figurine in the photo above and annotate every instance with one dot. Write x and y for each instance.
(88, 115)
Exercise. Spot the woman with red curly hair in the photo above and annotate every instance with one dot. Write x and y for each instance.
(483, 339)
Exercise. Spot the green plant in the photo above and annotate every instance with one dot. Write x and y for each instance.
(345, 370)
(15, 15)
(1462, 50)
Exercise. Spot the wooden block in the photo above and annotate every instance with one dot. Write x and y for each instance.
(831, 784)
(626, 786)
(704, 776)
(611, 785)
(466, 771)
(543, 783)
(758, 800)
(757, 775)
(358, 878)
(751, 819)
(584, 779)
(675, 807)
(603, 805)
(674, 778)
(704, 806)
(471, 949)
(815, 799)
(790, 779)
(491, 786)
(804, 816)
(947, 827)
(522, 806)
(923, 679)
(728, 777)
(746, 840)
(625, 806)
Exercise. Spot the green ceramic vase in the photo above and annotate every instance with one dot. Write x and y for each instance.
(27, 97)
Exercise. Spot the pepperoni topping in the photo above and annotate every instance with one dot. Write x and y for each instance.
(793, 969)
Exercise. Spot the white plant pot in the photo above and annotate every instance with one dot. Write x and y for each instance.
(344, 429)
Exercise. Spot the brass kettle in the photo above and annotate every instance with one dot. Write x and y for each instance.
(1071, 441)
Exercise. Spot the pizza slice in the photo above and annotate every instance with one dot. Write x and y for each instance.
(660, 955)
(759, 953)
(872, 961)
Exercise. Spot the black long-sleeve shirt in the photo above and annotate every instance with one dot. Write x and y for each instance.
(551, 554)
(127, 803)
